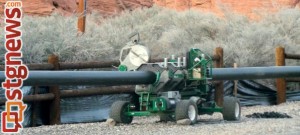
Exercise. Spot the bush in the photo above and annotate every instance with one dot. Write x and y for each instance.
(165, 32)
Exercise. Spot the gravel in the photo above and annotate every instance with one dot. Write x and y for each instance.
(207, 125)
(268, 115)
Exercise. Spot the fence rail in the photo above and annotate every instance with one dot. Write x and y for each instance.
(292, 56)
(77, 93)
(292, 80)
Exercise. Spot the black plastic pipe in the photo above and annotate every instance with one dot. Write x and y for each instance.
(105, 78)
(249, 73)
(110, 78)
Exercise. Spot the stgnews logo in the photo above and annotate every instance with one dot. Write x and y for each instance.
(15, 71)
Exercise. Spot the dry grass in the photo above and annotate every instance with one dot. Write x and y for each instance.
(165, 32)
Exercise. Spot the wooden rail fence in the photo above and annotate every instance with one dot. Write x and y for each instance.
(53, 97)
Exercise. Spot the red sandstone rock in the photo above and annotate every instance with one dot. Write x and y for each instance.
(113, 7)
(250, 8)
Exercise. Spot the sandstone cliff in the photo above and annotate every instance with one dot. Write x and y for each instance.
(249, 8)
(113, 7)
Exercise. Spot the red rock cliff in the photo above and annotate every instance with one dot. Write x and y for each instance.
(112, 7)
(245, 7)
(106, 7)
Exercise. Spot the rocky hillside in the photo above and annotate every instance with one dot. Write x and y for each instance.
(249, 8)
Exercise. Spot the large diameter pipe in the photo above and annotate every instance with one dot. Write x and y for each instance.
(107, 78)
(249, 73)
(48, 78)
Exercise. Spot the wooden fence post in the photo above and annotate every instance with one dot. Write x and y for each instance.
(219, 88)
(54, 110)
(235, 87)
(280, 82)
(82, 15)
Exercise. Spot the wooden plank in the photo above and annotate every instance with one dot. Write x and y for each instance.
(32, 98)
(292, 79)
(97, 91)
(77, 65)
(44, 66)
(76, 93)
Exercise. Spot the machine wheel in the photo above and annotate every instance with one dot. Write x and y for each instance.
(118, 110)
(186, 109)
(231, 109)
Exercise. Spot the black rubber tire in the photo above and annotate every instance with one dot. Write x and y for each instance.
(182, 110)
(118, 110)
(230, 105)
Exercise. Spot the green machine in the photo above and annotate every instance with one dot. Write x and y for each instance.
(181, 90)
